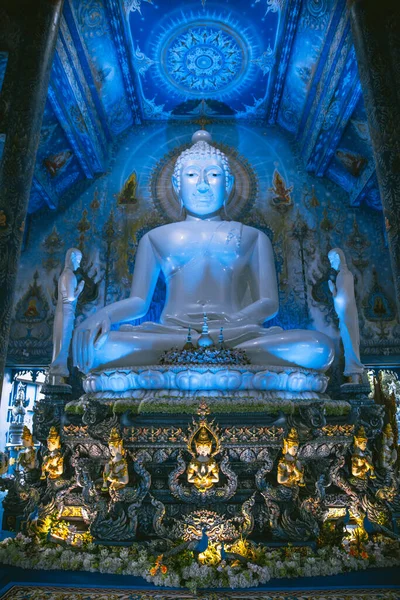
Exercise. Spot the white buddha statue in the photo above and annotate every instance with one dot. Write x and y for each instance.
(222, 268)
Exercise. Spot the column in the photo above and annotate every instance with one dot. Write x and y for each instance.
(31, 56)
(377, 44)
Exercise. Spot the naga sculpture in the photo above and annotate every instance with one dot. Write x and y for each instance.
(191, 525)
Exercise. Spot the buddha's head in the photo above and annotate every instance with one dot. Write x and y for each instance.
(73, 258)
(202, 177)
(203, 443)
(53, 440)
(27, 439)
(115, 443)
(291, 443)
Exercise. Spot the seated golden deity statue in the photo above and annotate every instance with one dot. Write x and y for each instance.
(27, 459)
(290, 469)
(203, 470)
(115, 474)
(388, 453)
(361, 465)
(53, 462)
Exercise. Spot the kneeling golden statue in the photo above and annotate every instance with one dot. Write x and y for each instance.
(115, 474)
(53, 462)
(290, 469)
(361, 465)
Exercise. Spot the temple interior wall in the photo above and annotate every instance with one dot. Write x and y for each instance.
(303, 215)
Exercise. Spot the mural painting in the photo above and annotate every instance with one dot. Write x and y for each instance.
(303, 216)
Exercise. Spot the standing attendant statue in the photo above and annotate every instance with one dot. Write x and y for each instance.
(68, 293)
(346, 309)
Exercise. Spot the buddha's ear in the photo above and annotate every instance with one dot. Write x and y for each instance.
(175, 184)
(229, 184)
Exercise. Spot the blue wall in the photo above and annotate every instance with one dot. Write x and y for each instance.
(305, 216)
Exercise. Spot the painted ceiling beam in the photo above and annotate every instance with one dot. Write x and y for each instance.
(122, 41)
(343, 180)
(64, 120)
(292, 14)
(325, 81)
(44, 192)
(363, 185)
(86, 77)
(73, 113)
(342, 105)
(71, 63)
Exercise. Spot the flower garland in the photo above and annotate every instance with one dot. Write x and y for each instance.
(183, 570)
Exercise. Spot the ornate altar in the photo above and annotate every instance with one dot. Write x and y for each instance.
(207, 423)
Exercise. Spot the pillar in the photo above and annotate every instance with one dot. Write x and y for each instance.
(377, 45)
(34, 28)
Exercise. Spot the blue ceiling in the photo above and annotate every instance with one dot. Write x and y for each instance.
(120, 63)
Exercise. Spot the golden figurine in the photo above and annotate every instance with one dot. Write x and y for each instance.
(361, 465)
(115, 474)
(290, 469)
(388, 452)
(280, 191)
(53, 462)
(27, 459)
(128, 193)
(203, 470)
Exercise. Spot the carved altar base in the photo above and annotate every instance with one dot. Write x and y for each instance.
(241, 449)
(250, 451)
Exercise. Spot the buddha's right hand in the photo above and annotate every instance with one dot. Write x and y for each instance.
(90, 336)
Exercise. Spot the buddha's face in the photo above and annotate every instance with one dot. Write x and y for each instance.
(203, 186)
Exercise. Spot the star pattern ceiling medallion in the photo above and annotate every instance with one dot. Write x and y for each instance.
(204, 57)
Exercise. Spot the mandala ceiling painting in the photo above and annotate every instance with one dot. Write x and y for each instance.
(122, 64)
(207, 53)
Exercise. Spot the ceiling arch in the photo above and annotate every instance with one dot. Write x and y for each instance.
(120, 63)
